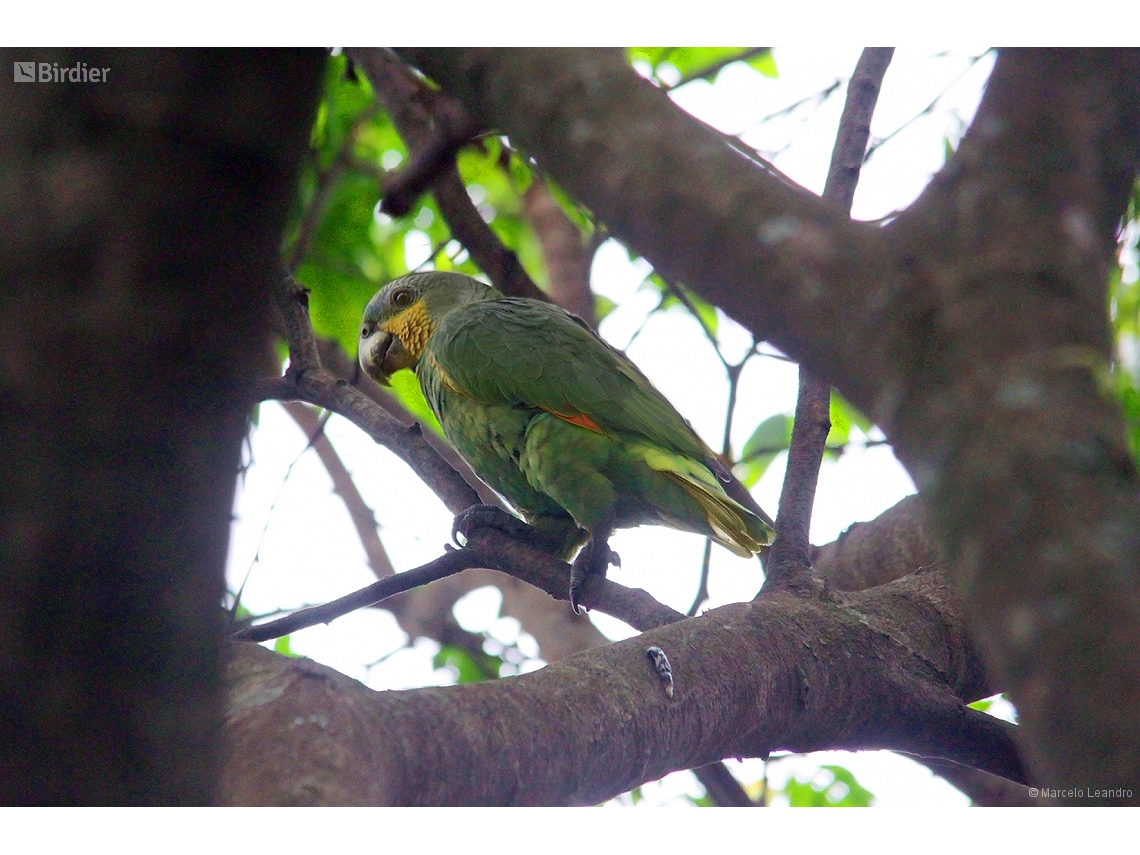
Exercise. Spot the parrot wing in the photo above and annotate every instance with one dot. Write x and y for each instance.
(523, 352)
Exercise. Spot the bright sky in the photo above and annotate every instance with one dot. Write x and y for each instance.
(309, 552)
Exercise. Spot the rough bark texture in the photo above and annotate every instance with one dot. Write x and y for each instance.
(894, 544)
(972, 329)
(889, 668)
(138, 223)
(139, 227)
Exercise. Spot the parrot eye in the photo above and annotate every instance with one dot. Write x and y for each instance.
(401, 298)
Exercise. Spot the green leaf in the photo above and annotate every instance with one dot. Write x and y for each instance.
(283, 646)
(603, 306)
(770, 437)
(670, 65)
(705, 313)
(578, 213)
(844, 416)
(482, 170)
(406, 389)
(467, 668)
(831, 786)
(765, 63)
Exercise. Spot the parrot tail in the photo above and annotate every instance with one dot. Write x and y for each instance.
(729, 523)
(734, 527)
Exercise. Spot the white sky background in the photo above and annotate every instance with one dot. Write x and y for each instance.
(310, 552)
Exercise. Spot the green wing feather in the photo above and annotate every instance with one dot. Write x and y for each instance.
(509, 352)
(522, 352)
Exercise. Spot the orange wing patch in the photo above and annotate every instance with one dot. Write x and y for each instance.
(579, 419)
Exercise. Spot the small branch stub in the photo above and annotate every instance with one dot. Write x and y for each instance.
(662, 667)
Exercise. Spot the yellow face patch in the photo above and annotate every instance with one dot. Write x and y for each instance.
(413, 327)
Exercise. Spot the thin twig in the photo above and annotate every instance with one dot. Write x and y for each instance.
(703, 585)
(789, 561)
(816, 100)
(734, 372)
(306, 380)
(416, 110)
(317, 430)
(929, 108)
(497, 551)
(362, 516)
(687, 302)
(446, 565)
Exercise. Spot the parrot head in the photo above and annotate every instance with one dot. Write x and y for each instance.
(400, 320)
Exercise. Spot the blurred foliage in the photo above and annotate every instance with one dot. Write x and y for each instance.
(831, 786)
(283, 646)
(495, 660)
(1124, 309)
(673, 66)
(705, 312)
(772, 436)
(983, 705)
(465, 666)
(844, 417)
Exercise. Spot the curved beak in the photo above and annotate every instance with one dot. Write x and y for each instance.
(382, 355)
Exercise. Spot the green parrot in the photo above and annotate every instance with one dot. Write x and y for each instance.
(558, 422)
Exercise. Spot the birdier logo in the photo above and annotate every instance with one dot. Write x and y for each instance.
(53, 72)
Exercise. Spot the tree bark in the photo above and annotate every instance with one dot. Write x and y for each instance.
(890, 668)
(972, 329)
(139, 228)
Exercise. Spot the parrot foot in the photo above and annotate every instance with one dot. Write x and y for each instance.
(489, 516)
(594, 559)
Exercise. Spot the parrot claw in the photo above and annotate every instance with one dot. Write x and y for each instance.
(488, 516)
(594, 559)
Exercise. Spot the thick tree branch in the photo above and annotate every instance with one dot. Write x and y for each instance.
(139, 227)
(618, 144)
(972, 329)
(567, 256)
(1004, 326)
(896, 543)
(771, 663)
